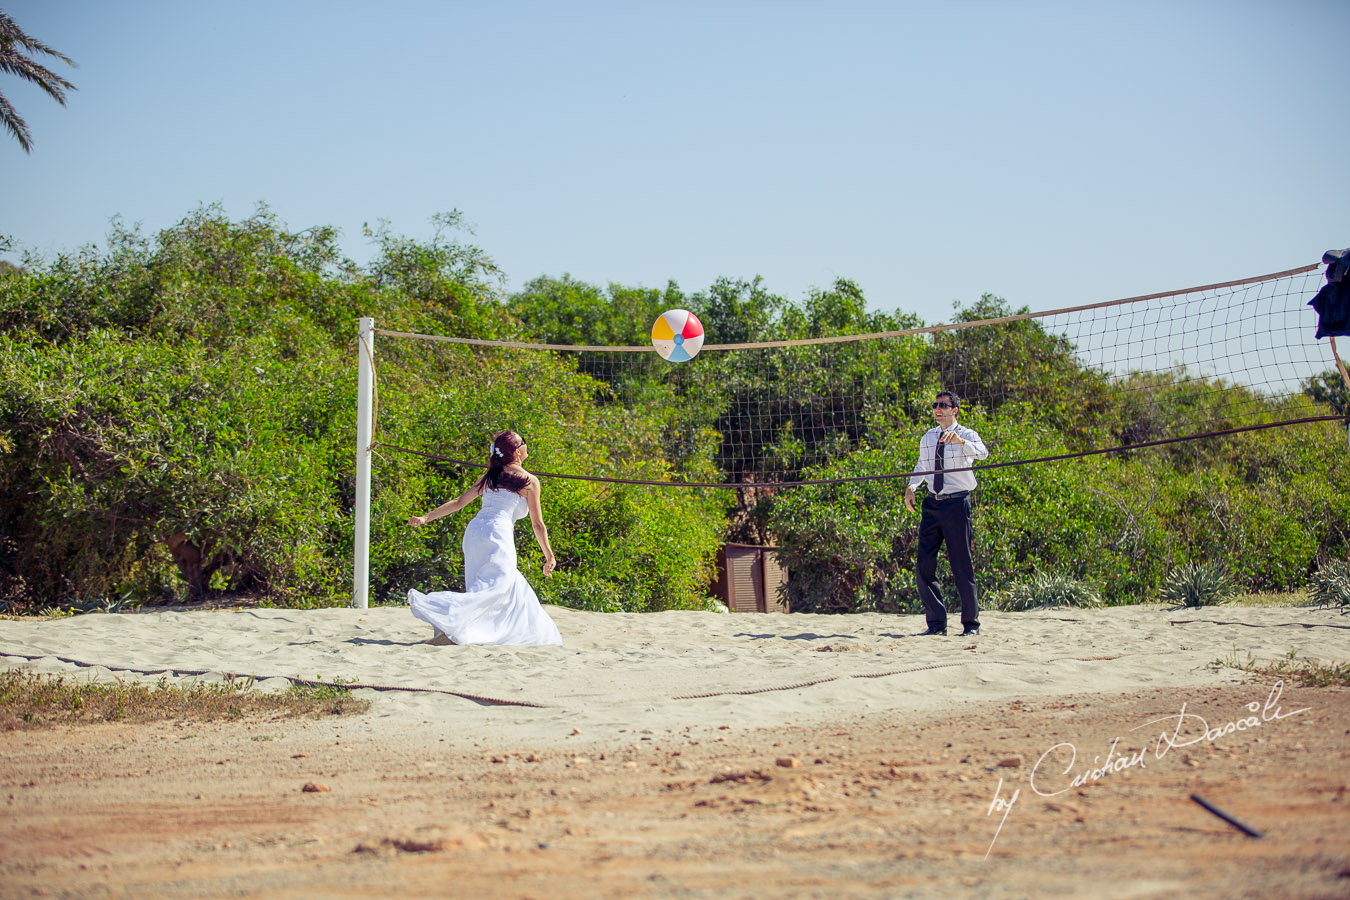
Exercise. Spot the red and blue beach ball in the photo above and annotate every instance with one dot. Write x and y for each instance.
(677, 335)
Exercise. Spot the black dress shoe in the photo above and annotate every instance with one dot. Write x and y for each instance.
(933, 629)
(970, 629)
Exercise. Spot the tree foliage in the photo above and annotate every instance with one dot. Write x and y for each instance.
(1269, 506)
(177, 421)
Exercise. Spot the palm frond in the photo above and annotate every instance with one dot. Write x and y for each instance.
(21, 66)
(15, 59)
(11, 34)
(15, 125)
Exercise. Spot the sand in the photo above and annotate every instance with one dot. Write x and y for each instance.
(691, 754)
(623, 671)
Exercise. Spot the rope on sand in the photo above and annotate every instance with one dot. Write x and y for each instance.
(949, 665)
(493, 701)
(1255, 624)
(747, 691)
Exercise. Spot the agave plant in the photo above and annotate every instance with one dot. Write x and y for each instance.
(1331, 585)
(1198, 584)
(1044, 589)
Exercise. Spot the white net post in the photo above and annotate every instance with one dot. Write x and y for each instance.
(365, 381)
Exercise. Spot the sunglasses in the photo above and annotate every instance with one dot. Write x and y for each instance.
(943, 404)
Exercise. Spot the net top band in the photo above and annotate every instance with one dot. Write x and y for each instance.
(845, 338)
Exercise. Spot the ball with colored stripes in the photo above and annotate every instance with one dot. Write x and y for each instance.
(677, 335)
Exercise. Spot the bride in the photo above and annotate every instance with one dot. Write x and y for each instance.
(498, 606)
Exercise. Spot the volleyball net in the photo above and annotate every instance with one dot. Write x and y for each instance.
(1110, 376)
(761, 416)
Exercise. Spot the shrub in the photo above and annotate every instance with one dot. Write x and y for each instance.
(1198, 584)
(1047, 589)
(847, 545)
(1331, 585)
(176, 421)
(1083, 519)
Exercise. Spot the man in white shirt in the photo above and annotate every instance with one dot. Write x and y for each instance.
(946, 513)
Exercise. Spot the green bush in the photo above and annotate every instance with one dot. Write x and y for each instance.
(137, 467)
(1084, 519)
(1120, 521)
(848, 547)
(177, 421)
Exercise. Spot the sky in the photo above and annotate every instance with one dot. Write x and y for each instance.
(1049, 153)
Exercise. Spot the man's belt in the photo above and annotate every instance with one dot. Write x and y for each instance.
(954, 495)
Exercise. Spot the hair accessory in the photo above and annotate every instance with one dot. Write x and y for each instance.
(494, 449)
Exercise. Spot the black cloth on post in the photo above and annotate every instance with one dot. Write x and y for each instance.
(1333, 300)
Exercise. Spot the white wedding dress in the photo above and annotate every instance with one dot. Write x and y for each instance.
(498, 605)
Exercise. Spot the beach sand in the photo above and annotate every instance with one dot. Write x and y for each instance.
(695, 754)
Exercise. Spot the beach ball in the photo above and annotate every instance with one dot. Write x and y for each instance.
(677, 335)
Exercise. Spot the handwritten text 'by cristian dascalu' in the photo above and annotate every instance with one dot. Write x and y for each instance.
(1183, 729)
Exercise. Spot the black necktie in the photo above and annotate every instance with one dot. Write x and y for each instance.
(937, 464)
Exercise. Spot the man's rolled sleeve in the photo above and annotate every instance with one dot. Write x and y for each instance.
(975, 449)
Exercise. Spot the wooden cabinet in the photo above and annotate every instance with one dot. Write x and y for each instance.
(749, 578)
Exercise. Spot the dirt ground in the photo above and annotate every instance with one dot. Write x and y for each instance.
(882, 805)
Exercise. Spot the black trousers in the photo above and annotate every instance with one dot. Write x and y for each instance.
(946, 521)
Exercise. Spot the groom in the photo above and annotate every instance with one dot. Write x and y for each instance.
(946, 513)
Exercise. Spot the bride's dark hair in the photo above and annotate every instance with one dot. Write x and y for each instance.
(501, 454)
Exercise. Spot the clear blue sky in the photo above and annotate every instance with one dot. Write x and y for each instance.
(1051, 153)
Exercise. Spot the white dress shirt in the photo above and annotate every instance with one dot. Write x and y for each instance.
(955, 456)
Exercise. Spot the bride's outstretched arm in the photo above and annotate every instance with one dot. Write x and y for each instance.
(531, 494)
(446, 509)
